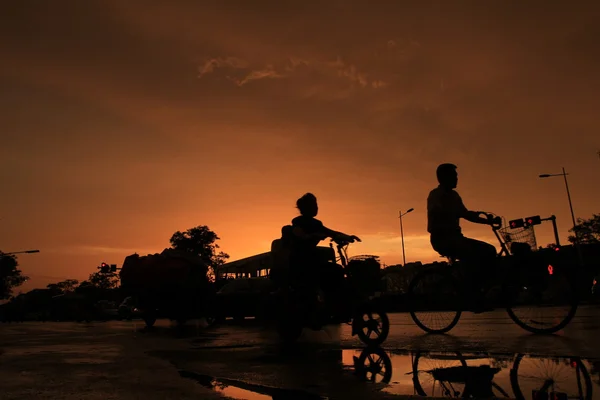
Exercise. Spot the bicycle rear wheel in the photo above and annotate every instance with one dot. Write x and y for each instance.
(560, 377)
(434, 300)
(543, 301)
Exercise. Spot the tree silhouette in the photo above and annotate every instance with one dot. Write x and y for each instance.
(588, 230)
(65, 286)
(10, 276)
(102, 280)
(201, 242)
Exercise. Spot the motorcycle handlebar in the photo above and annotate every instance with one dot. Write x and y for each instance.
(343, 242)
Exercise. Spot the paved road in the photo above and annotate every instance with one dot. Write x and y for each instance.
(323, 361)
(122, 360)
(95, 361)
(490, 332)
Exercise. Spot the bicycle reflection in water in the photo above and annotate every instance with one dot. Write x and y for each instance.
(442, 374)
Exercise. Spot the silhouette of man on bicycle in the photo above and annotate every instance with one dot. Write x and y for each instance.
(306, 267)
(445, 208)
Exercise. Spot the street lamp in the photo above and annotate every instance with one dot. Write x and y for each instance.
(577, 244)
(564, 175)
(20, 252)
(400, 215)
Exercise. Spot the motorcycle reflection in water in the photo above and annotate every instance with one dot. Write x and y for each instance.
(467, 376)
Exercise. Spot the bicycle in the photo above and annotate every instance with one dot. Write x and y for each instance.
(524, 274)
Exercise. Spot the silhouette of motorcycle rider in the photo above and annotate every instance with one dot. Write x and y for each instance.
(307, 267)
(445, 208)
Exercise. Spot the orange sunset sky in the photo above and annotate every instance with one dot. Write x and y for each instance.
(124, 121)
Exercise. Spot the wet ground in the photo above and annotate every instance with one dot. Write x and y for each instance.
(484, 354)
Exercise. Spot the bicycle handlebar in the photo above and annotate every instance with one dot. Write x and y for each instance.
(493, 220)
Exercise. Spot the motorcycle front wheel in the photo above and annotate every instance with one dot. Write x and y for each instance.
(371, 326)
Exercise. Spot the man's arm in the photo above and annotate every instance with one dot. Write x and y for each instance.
(301, 233)
(322, 234)
(330, 232)
(335, 235)
(472, 216)
(301, 230)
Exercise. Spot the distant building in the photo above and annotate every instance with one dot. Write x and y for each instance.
(260, 265)
(413, 264)
(254, 266)
(398, 277)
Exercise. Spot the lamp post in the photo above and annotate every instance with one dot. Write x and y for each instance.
(564, 175)
(400, 215)
(577, 244)
(20, 252)
(11, 253)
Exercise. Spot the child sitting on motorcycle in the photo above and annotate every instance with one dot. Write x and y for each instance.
(305, 266)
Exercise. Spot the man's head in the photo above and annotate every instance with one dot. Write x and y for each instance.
(447, 175)
(307, 205)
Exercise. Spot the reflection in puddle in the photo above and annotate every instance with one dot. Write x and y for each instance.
(442, 374)
(247, 391)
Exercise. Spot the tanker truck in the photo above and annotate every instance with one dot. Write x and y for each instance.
(171, 284)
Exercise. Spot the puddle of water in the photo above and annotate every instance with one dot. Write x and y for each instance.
(71, 349)
(442, 374)
(83, 360)
(247, 391)
(225, 346)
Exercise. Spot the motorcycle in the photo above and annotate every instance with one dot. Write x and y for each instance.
(299, 309)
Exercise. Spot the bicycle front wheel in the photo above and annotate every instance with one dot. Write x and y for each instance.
(542, 301)
(434, 301)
